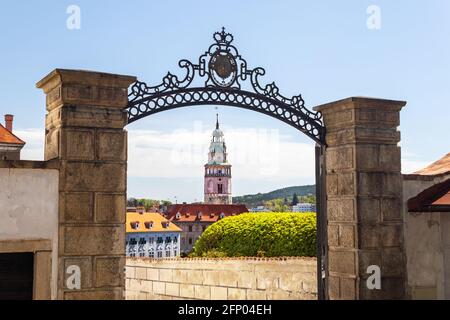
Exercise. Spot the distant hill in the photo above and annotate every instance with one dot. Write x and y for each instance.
(253, 200)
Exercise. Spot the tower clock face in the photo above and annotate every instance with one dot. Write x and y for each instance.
(222, 68)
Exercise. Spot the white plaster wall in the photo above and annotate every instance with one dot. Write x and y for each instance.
(425, 246)
(29, 208)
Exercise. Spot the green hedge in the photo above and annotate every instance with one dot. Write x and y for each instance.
(268, 234)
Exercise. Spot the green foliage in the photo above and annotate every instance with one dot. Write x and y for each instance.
(269, 234)
(277, 205)
(258, 199)
(294, 199)
(148, 204)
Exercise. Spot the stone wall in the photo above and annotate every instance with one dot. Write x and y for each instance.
(221, 279)
(29, 218)
(427, 243)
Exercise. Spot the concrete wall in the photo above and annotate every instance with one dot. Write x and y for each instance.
(221, 279)
(427, 243)
(29, 209)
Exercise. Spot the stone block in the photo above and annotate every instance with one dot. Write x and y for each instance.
(105, 294)
(342, 261)
(367, 157)
(278, 294)
(187, 290)
(341, 210)
(159, 287)
(229, 279)
(390, 158)
(256, 294)
(267, 280)
(392, 235)
(334, 288)
(173, 289)
(85, 265)
(339, 158)
(309, 283)
(141, 273)
(112, 145)
(246, 279)
(110, 208)
(219, 293)
(211, 277)
(79, 144)
(348, 289)
(100, 177)
(346, 184)
(109, 272)
(391, 209)
(77, 207)
(332, 184)
(130, 272)
(93, 240)
(346, 236)
(152, 274)
(202, 292)
(370, 183)
(165, 275)
(369, 210)
(393, 262)
(392, 184)
(368, 258)
(333, 235)
(369, 236)
(291, 281)
(237, 294)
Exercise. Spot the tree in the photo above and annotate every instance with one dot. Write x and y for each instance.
(294, 199)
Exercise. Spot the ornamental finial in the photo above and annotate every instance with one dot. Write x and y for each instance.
(223, 37)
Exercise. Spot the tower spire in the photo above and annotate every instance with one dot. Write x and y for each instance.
(217, 121)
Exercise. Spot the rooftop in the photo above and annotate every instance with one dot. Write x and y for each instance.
(441, 166)
(149, 222)
(209, 212)
(8, 137)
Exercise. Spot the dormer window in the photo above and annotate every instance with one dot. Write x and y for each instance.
(178, 215)
(187, 214)
(199, 215)
(165, 224)
(222, 215)
(134, 225)
(212, 215)
(149, 224)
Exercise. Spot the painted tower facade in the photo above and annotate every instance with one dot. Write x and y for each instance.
(217, 171)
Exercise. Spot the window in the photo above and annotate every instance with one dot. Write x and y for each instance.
(175, 239)
(159, 254)
(151, 253)
(142, 241)
(159, 240)
(175, 252)
(190, 228)
(151, 240)
(168, 251)
(190, 240)
(222, 215)
(178, 215)
(183, 240)
(203, 228)
(168, 239)
(220, 188)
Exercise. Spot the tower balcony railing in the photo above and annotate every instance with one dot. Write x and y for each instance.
(218, 175)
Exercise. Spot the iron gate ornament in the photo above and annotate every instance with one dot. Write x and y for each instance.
(224, 71)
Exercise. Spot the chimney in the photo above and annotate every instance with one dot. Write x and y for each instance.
(9, 122)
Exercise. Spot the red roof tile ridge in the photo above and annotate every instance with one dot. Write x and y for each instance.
(7, 136)
(438, 167)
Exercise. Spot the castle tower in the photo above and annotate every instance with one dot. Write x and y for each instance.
(217, 171)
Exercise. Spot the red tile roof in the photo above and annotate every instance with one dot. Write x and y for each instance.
(8, 137)
(434, 199)
(209, 212)
(439, 167)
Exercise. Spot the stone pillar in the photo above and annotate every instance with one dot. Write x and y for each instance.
(364, 198)
(84, 131)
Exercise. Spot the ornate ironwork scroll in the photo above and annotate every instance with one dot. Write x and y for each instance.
(224, 71)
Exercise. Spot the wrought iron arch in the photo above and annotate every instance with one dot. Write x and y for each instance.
(224, 71)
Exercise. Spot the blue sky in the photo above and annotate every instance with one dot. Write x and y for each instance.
(322, 49)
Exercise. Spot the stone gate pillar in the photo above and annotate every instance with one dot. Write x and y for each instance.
(364, 197)
(84, 130)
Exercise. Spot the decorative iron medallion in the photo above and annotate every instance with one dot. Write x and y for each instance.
(224, 72)
(222, 68)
